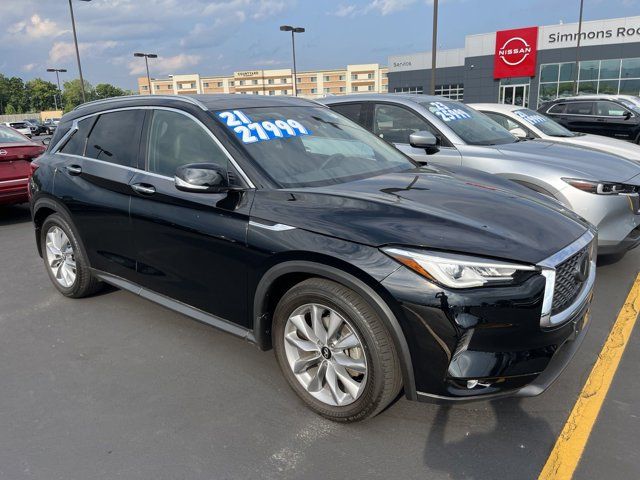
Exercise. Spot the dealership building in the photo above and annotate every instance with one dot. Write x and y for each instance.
(528, 66)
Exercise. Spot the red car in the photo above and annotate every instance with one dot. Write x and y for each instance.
(16, 153)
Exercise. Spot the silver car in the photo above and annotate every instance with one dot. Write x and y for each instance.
(602, 188)
(525, 123)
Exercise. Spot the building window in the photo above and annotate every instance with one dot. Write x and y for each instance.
(145, 87)
(272, 92)
(452, 91)
(370, 88)
(220, 84)
(271, 81)
(314, 90)
(232, 83)
(205, 85)
(608, 77)
(327, 90)
(327, 78)
(240, 82)
(408, 90)
(313, 79)
(299, 80)
(343, 89)
(255, 82)
(354, 76)
(341, 78)
(370, 76)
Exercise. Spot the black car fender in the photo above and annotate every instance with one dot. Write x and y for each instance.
(41, 208)
(262, 322)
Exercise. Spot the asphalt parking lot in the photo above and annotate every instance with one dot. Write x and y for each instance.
(114, 386)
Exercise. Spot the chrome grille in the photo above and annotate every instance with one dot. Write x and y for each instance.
(568, 285)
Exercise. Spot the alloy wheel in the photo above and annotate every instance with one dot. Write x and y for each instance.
(60, 257)
(325, 354)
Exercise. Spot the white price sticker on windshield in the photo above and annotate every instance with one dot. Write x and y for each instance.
(447, 113)
(531, 118)
(249, 131)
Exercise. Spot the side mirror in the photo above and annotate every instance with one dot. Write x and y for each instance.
(518, 132)
(46, 141)
(627, 115)
(201, 178)
(424, 139)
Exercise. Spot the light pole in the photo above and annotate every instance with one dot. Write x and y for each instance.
(575, 73)
(434, 44)
(58, 71)
(75, 42)
(147, 56)
(293, 30)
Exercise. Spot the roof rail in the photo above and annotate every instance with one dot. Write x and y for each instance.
(182, 98)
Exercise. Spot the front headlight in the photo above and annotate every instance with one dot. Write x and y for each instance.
(456, 271)
(601, 188)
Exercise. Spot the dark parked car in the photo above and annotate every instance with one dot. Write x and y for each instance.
(600, 115)
(282, 222)
(50, 125)
(36, 126)
(16, 154)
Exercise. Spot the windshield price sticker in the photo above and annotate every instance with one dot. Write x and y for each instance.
(252, 132)
(532, 119)
(447, 113)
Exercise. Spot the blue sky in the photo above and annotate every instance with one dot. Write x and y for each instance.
(221, 36)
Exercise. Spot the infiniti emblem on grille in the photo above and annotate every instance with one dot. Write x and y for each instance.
(582, 269)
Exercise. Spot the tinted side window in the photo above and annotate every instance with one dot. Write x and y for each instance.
(352, 111)
(175, 140)
(610, 109)
(395, 124)
(115, 137)
(579, 108)
(76, 144)
(558, 108)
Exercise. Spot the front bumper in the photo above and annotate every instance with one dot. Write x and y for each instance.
(483, 343)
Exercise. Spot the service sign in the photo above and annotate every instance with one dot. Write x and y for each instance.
(515, 54)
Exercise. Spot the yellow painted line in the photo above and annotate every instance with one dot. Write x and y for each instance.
(568, 449)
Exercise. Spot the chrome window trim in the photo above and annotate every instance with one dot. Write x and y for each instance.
(278, 227)
(182, 98)
(548, 270)
(74, 128)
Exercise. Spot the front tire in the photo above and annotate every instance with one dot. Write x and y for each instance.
(65, 259)
(335, 352)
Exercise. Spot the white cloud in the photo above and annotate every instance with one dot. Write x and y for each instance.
(255, 9)
(36, 27)
(63, 51)
(169, 64)
(29, 67)
(382, 7)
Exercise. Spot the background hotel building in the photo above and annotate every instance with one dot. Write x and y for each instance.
(354, 79)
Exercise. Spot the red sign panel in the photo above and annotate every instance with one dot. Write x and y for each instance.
(516, 53)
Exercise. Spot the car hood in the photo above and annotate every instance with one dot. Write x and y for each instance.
(581, 162)
(622, 148)
(430, 208)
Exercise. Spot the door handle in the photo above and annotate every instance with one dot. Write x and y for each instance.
(144, 189)
(74, 169)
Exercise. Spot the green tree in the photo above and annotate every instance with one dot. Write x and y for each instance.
(72, 95)
(13, 92)
(40, 94)
(106, 90)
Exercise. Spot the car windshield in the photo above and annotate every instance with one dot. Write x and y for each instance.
(631, 105)
(311, 146)
(473, 127)
(542, 123)
(8, 135)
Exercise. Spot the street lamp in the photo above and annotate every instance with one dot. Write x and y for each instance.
(147, 56)
(434, 43)
(58, 72)
(293, 30)
(75, 42)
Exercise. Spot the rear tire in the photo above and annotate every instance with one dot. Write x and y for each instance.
(335, 352)
(65, 259)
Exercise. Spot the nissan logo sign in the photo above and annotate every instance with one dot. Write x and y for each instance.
(3, 152)
(514, 51)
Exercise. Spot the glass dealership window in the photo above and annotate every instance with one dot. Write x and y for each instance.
(408, 90)
(454, 91)
(611, 76)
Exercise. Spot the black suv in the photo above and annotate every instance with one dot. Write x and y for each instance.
(282, 222)
(601, 115)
